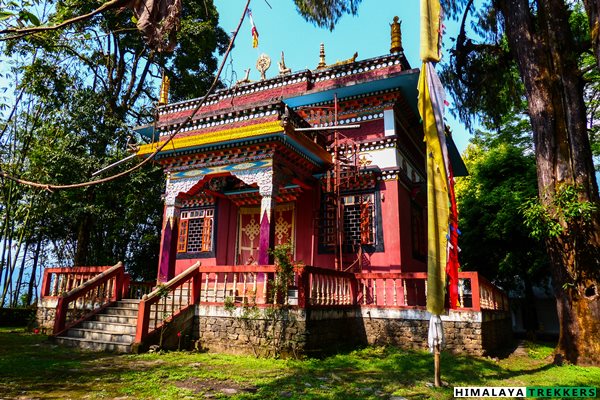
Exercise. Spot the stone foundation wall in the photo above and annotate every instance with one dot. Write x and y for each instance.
(46, 311)
(326, 331)
(266, 332)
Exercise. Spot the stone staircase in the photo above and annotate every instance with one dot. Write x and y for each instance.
(112, 330)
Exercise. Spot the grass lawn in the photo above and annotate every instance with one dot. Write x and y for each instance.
(33, 368)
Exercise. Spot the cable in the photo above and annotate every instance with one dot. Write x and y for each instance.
(51, 187)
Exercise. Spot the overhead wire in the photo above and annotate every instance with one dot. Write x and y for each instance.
(51, 187)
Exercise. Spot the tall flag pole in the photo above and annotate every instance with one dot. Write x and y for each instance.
(431, 107)
(254, 30)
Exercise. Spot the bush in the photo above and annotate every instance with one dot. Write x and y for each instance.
(16, 316)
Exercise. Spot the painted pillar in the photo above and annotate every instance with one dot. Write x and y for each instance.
(267, 180)
(168, 241)
(266, 239)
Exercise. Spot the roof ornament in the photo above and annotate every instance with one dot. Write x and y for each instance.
(396, 35)
(322, 64)
(347, 61)
(164, 90)
(283, 69)
(262, 65)
(245, 79)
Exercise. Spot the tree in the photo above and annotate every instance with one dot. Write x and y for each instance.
(81, 89)
(539, 38)
(495, 239)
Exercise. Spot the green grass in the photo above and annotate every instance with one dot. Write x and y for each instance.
(32, 367)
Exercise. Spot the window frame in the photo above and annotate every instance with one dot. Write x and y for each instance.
(182, 249)
(378, 245)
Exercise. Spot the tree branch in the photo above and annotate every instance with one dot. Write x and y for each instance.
(26, 31)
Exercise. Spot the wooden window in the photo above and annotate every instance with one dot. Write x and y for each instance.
(196, 231)
(359, 220)
(182, 238)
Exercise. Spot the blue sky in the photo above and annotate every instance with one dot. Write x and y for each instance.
(281, 28)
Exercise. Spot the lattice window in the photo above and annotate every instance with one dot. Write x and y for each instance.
(196, 231)
(359, 219)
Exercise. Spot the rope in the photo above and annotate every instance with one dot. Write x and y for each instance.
(51, 187)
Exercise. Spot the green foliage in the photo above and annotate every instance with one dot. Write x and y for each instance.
(82, 89)
(284, 276)
(495, 241)
(31, 367)
(563, 214)
(484, 82)
(326, 13)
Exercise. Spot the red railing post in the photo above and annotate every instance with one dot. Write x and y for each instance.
(143, 321)
(46, 284)
(61, 315)
(118, 286)
(196, 287)
(354, 290)
(303, 287)
(475, 292)
(126, 284)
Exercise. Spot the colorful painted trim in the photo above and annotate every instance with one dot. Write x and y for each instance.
(214, 137)
(220, 169)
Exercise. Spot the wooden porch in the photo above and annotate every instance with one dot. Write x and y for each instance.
(78, 294)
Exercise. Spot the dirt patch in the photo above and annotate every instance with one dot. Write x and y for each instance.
(211, 387)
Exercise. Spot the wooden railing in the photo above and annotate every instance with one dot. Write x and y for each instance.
(82, 291)
(327, 287)
(247, 284)
(477, 293)
(57, 281)
(137, 289)
(167, 301)
(392, 290)
(89, 297)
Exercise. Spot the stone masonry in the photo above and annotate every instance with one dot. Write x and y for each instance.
(317, 331)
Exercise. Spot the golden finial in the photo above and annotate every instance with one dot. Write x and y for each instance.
(396, 34)
(283, 69)
(164, 91)
(322, 63)
(246, 78)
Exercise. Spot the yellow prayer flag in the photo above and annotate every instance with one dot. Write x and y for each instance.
(430, 30)
(437, 201)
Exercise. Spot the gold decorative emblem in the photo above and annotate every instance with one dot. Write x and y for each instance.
(262, 65)
(252, 229)
(364, 161)
(282, 227)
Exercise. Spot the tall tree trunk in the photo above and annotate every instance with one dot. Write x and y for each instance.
(17, 291)
(592, 9)
(83, 241)
(545, 52)
(32, 278)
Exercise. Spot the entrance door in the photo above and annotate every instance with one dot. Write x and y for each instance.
(249, 231)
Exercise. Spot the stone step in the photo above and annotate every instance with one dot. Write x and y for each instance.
(100, 335)
(94, 345)
(109, 326)
(124, 311)
(118, 319)
(128, 303)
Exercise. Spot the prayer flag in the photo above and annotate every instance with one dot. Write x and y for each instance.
(437, 197)
(430, 30)
(254, 30)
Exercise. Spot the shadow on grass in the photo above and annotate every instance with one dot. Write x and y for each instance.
(31, 365)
